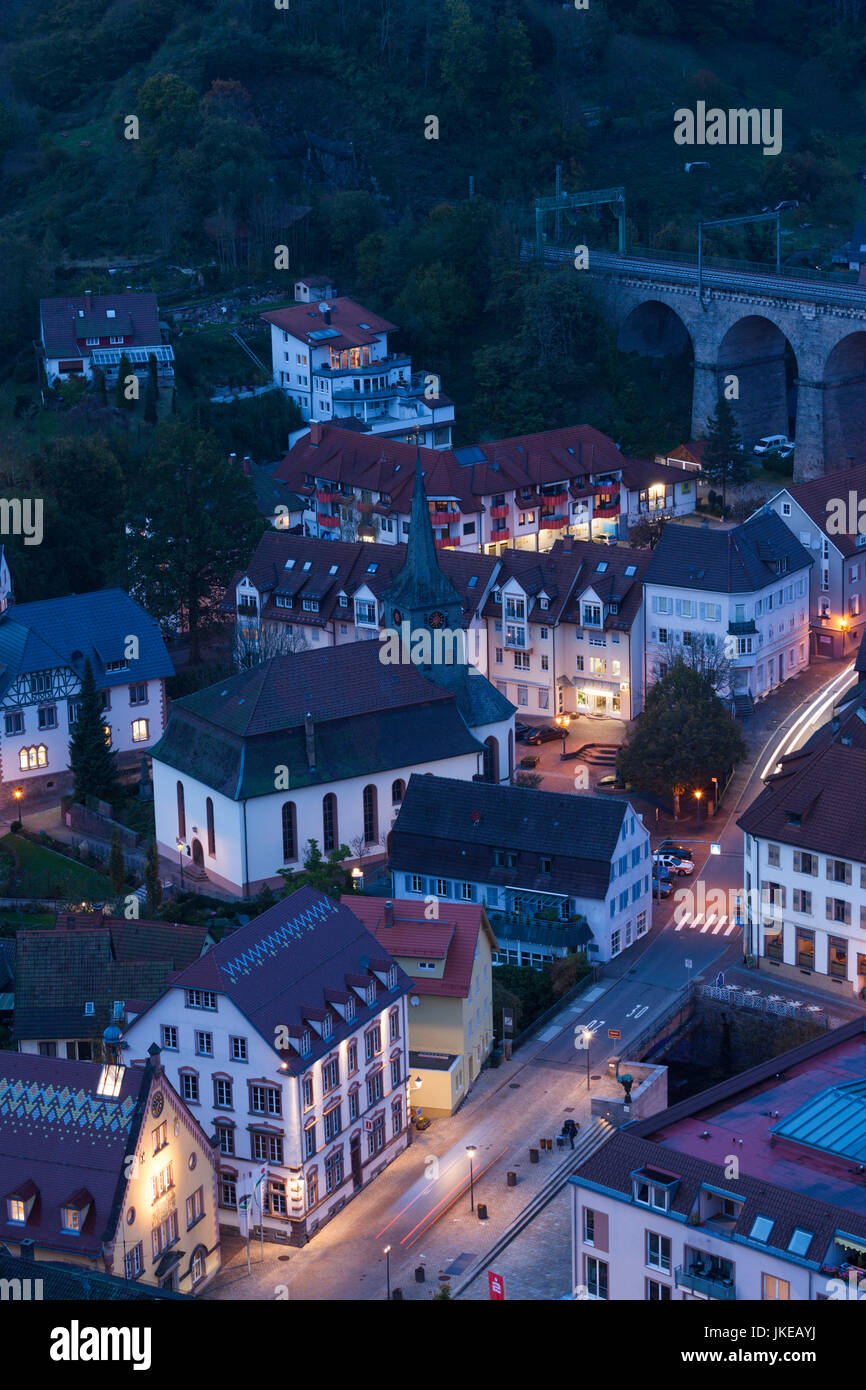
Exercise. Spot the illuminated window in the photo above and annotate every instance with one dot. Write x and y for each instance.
(16, 1209)
(30, 758)
(139, 731)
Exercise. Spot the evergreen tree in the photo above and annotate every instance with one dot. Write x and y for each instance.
(174, 400)
(326, 875)
(124, 370)
(192, 523)
(116, 863)
(152, 881)
(150, 415)
(99, 387)
(724, 461)
(94, 766)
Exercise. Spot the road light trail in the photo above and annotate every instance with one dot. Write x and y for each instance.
(822, 702)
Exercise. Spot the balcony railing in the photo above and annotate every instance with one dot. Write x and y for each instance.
(606, 509)
(515, 638)
(710, 1285)
(325, 498)
(329, 521)
(499, 511)
(502, 535)
(553, 523)
(443, 518)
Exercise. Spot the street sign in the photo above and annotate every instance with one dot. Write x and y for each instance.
(368, 1125)
(496, 1284)
(688, 964)
(614, 1033)
(715, 849)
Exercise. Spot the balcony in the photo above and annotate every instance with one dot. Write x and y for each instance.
(443, 542)
(248, 609)
(443, 518)
(325, 498)
(555, 499)
(502, 535)
(602, 509)
(553, 523)
(329, 521)
(516, 639)
(711, 1283)
(499, 512)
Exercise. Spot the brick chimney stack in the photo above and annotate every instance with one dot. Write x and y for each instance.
(247, 465)
(315, 433)
(389, 914)
(88, 301)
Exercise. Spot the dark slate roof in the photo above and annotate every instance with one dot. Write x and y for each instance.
(62, 632)
(268, 571)
(59, 1134)
(285, 967)
(452, 828)
(815, 801)
(60, 971)
(69, 1283)
(565, 573)
(368, 717)
(735, 561)
(60, 320)
(421, 581)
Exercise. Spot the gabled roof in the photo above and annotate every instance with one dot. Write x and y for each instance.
(815, 801)
(59, 1134)
(742, 559)
(62, 632)
(62, 324)
(817, 495)
(453, 936)
(283, 969)
(452, 828)
(566, 571)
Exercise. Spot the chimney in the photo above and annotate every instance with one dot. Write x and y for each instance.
(310, 736)
(389, 915)
(27, 1249)
(315, 433)
(247, 465)
(154, 1052)
(129, 289)
(88, 301)
(233, 458)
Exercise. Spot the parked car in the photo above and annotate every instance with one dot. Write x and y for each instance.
(696, 164)
(610, 783)
(673, 863)
(671, 847)
(520, 732)
(542, 734)
(772, 443)
(662, 887)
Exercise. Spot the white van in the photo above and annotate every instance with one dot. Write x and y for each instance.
(774, 444)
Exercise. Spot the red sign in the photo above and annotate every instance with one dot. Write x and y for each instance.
(497, 1285)
(614, 1033)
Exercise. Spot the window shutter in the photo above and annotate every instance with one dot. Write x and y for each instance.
(829, 909)
(847, 914)
(407, 882)
(829, 868)
(848, 873)
(796, 861)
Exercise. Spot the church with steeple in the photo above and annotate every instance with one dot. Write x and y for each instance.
(320, 744)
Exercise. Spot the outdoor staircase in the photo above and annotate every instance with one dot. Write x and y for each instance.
(743, 704)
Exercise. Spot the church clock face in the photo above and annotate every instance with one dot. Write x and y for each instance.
(156, 1105)
(436, 619)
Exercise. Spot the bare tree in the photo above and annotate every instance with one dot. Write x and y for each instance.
(703, 653)
(256, 643)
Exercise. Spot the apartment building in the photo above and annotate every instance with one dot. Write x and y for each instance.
(332, 359)
(749, 1191)
(448, 957)
(523, 493)
(529, 856)
(289, 1040)
(824, 515)
(743, 589)
(805, 858)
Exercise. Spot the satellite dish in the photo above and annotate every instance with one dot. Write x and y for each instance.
(414, 1001)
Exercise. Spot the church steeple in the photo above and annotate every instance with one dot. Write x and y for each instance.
(421, 594)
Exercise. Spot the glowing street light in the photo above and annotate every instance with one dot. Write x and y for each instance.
(698, 795)
(471, 1150)
(18, 795)
(181, 846)
(563, 721)
(357, 878)
(387, 1254)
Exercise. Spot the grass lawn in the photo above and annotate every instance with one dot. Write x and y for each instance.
(42, 873)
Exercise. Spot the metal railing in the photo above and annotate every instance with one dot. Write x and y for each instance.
(764, 1003)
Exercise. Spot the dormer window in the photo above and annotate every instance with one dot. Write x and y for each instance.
(392, 977)
(328, 1025)
(654, 1189)
(497, 596)
(306, 1042)
(350, 1008)
(371, 993)
(344, 600)
(88, 1010)
(16, 1211)
(70, 1220)
(543, 602)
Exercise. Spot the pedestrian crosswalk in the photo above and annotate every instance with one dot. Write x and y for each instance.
(708, 924)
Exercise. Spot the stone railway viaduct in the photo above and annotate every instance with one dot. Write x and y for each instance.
(741, 325)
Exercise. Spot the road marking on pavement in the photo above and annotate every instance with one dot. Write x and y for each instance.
(592, 994)
(713, 925)
(549, 1033)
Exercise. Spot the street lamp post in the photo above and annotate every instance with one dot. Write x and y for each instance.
(357, 879)
(563, 722)
(18, 794)
(698, 795)
(388, 1273)
(587, 1039)
(715, 782)
(180, 849)
(471, 1150)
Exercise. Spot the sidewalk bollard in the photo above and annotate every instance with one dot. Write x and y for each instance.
(533, 1155)
(560, 1141)
(511, 1179)
(482, 1211)
(419, 1274)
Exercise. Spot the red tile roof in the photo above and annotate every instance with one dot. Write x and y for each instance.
(355, 326)
(454, 934)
